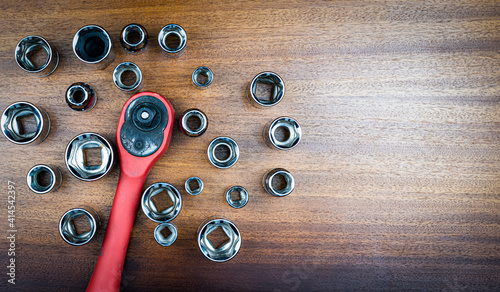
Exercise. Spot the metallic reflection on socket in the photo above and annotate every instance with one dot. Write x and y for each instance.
(120, 81)
(69, 232)
(268, 182)
(92, 44)
(134, 38)
(202, 77)
(24, 123)
(242, 195)
(77, 160)
(31, 46)
(196, 114)
(290, 130)
(196, 190)
(40, 185)
(81, 97)
(162, 239)
(230, 160)
(266, 79)
(152, 211)
(172, 39)
(225, 251)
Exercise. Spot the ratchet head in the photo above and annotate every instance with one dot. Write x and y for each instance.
(144, 132)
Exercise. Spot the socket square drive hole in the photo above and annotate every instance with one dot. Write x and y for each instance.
(162, 201)
(264, 91)
(92, 156)
(218, 237)
(81, 224)
(26, 124)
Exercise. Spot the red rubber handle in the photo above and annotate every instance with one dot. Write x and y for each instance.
(133, 173)
(108, 270)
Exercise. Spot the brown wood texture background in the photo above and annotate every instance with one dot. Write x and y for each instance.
(397, 175)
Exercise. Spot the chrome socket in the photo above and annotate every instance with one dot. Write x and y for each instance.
(67, 228)
(34, 180)
(242, 193)
(277, 92)
(194, 191)
(76, 160)
(151, 210)
(134, 38)
(195, 113)
(176, 47)
(92, 44)
(227, 250)
(202, 77)
(234, 152)
(161, 239)
(292, 133)
(267, 182)
(128, 67)
(27, 47)
(12, 127)
(81, 97)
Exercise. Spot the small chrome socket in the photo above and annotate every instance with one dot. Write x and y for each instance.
(13, 126)
(134, 38)
(81, 97)
(202, 77)
(277, 90)
(291, 130)
(36, 183)
(176, 47)
(194, 191)
(67, 228)
(193, 113)
(28, 47)
(243, 197)
(118, 77)
(161, 239)
(234, 152)
(267, 182)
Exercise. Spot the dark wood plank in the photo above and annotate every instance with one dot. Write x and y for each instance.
(397, 175)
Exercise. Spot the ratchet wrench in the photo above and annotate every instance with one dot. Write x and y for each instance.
(142, 136)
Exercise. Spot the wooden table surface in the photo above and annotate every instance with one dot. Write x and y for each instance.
(397, 175)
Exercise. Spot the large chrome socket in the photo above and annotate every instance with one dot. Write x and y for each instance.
(176, 48)
(152, 211)
(30, 45)
(12, 126)
(92, 44)
(76, 160)
(67, 228)
(227, 250)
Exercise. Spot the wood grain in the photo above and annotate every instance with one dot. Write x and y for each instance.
(398, 172)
